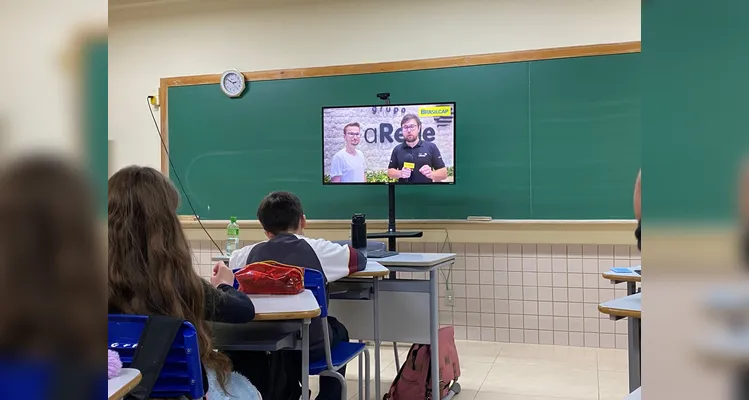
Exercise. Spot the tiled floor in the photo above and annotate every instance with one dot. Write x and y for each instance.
(510, 371)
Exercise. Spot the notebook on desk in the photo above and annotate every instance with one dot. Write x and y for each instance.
(381, 253)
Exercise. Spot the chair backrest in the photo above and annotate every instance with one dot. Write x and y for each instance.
(236, 282)
(181, 374)
(29, 377)
(314, 281)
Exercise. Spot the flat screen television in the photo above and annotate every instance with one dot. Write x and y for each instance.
(397, 143)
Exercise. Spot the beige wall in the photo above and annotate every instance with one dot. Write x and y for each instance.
(193, 38)
(519, 293)
(39, 108)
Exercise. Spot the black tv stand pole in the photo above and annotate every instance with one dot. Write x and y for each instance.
(392, 234)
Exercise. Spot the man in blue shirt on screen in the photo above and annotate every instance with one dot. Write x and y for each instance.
(416, 161)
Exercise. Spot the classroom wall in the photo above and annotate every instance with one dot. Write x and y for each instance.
(149, 43)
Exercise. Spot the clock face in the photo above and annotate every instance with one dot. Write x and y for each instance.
(232, 83)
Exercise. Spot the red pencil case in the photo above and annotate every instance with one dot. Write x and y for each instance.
(270, 277)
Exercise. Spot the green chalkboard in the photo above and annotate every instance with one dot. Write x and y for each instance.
(694, 109)
(553, 139)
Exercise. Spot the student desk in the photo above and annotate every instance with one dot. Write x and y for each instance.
(631, 278)
(121, 385)
(628, 307)
(271, 311)
(277, 320)
(300, 307)
(358, 286)
(400, 315)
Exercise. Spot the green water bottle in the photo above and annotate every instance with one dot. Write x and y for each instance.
(232, 236)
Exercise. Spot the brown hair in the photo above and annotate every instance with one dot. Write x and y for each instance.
(150, 265)
(409, 117)
(356, 124)
(51, 262)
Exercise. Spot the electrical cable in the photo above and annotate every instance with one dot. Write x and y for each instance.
(174, 171)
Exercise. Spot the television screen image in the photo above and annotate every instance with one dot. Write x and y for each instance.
(396, 143)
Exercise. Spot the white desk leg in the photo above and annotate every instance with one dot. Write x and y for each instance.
(376, 305)
(434, 325)
(305, 359)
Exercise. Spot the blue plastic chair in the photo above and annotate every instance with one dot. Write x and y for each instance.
(181, 374)
(342, 353)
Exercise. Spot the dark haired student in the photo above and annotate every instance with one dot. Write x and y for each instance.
(282, 218)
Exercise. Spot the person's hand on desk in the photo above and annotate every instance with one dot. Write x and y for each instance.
(426, 171)
(222, 274)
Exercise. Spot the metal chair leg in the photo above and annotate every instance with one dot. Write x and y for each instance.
(367, 375)
(341, 379)
(359, 385)
(361, 369)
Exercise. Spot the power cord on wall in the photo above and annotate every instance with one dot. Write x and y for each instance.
(449, 296)
(174, 172)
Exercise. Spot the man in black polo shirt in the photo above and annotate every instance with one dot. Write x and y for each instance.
(415, 160)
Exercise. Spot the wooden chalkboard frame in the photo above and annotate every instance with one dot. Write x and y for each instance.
(394, 66)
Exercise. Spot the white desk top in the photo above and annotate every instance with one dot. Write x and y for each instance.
(630, 276)
(122, 384)
(284, 307)
(636, 395)
(373, 269)
(629, 306)
(416, 259)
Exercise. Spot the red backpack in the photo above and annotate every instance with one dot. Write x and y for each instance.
(414, 380)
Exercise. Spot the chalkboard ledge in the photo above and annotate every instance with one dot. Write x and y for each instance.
(616, 232)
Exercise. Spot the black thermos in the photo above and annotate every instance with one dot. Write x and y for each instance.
(359, 233)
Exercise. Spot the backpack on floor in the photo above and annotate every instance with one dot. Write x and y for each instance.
(414, 380)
